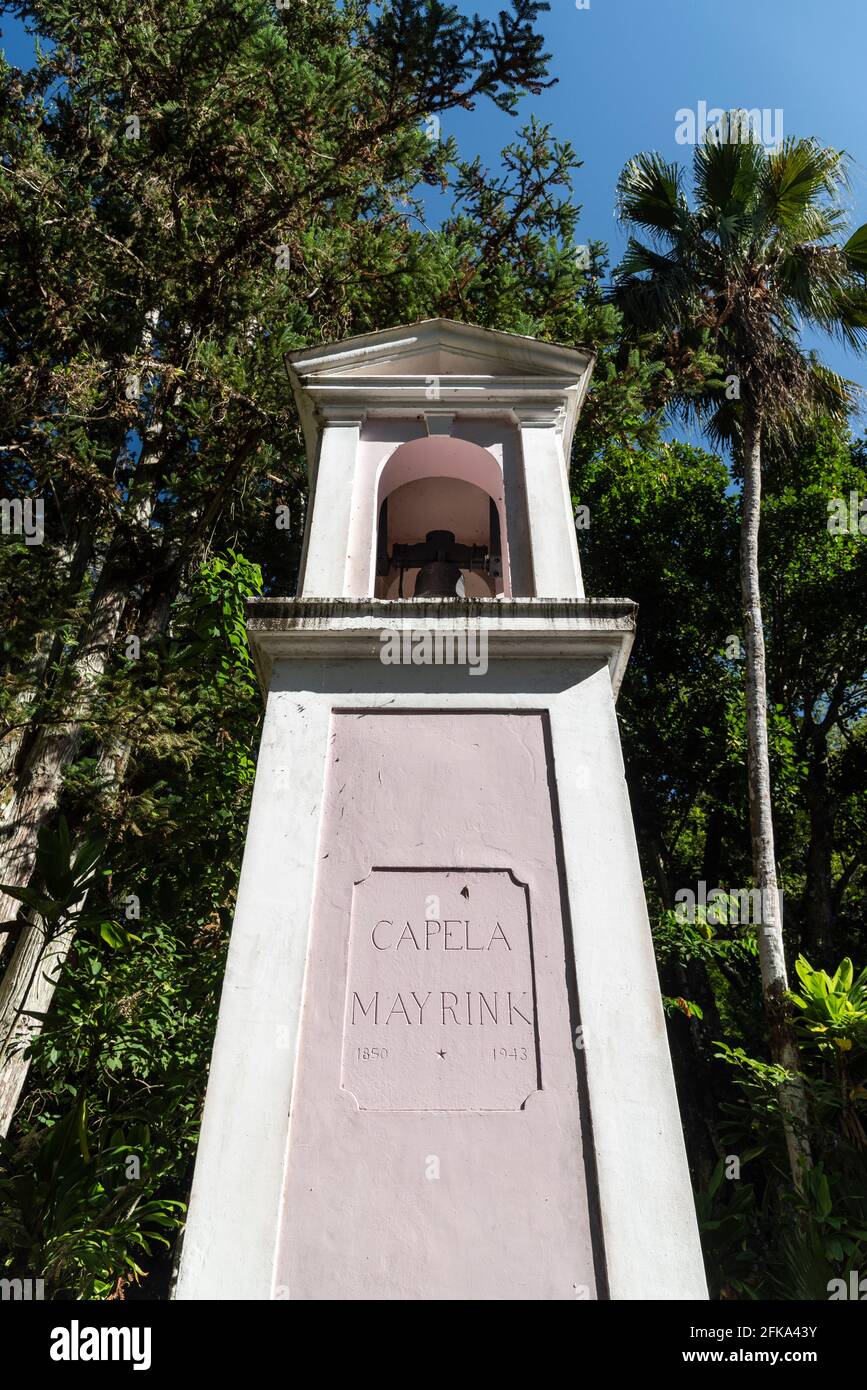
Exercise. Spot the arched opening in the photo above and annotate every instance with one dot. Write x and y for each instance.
(441, 525)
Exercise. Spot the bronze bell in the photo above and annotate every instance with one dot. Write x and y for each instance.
(438, 577)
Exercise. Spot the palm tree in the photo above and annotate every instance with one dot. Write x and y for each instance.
(737, 274)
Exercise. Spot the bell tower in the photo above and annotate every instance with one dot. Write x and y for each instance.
(441, 1068)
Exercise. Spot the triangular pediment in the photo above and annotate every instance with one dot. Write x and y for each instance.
(442, 348)
(438, 368)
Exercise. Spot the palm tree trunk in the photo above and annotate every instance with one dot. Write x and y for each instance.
(772, 959)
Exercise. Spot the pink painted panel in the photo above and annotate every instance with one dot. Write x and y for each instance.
(440, 1011)
(436, 1147)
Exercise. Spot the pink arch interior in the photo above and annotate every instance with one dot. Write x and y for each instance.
(441, 456)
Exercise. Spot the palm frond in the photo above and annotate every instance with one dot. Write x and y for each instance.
(650, 195)
(799, 174)
(728, 177)
(856, 249)
(741, 274)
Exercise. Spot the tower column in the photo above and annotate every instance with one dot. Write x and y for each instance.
(554, 547)
(330, 513)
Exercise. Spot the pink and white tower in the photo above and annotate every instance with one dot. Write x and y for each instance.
(441, 1068)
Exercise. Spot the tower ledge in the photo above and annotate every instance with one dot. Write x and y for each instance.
(518, 628)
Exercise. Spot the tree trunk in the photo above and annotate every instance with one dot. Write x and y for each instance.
(30, 977)
(772, 959)
(56, 746)
(15, 746)
(28, 985)
(26, 989)
(38, 757)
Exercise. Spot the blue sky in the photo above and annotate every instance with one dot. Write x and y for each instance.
(625, 67)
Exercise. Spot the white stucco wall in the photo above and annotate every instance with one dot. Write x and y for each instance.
(648, 1221)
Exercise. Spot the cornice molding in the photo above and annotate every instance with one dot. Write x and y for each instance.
(521, 628)
(515, 377)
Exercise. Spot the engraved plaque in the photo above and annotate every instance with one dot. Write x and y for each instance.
(440, 1009)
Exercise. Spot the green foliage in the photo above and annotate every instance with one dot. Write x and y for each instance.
(819, 1232)
(65, 875)
(729, 1224)
(757, 217)
(663, 529)
(274, 196)
(188, 193)
(120, 1065)
(834, 1008)
(70, 1212)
